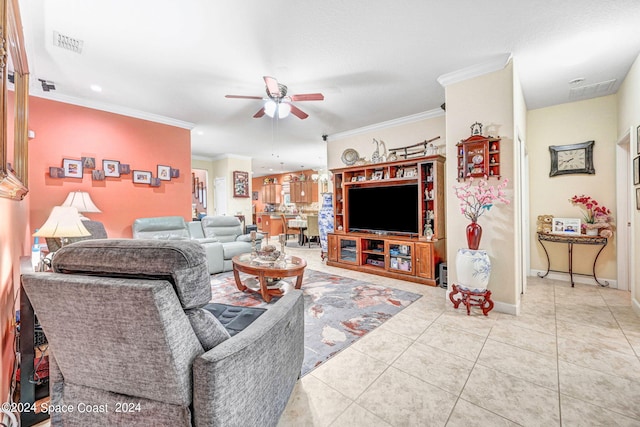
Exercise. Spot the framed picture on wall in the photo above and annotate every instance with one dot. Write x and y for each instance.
(141, 177)
(164, 172)
(89, 162)
(636, 171)
(638, 199)
(125, 169)
(111, 168)
(638, 139)
(97, 175)
(72, 168)
(240, 184)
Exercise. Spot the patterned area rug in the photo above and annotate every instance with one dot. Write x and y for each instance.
(338, 310)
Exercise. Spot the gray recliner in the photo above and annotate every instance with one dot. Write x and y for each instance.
(127, 330)
(228, 230)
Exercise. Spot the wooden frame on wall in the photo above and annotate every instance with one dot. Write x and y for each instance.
(240, 184)
(14, 183)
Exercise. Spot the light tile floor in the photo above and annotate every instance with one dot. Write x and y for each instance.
(571, 358)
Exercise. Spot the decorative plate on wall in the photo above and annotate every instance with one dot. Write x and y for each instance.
(350, 156)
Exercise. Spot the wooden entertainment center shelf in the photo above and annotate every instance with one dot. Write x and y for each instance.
(408, 255)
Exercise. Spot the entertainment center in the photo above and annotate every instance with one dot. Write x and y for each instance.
(389, 219)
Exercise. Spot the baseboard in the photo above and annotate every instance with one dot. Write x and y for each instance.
(503, 307)
(635, 304)
(577, 278)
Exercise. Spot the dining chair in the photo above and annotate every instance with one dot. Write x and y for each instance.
(312, 229)
(286, 229)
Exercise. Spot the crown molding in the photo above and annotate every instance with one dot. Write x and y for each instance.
(116, 109)
(389, 123)
(477, 70)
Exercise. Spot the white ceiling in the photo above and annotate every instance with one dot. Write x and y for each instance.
(373, 60)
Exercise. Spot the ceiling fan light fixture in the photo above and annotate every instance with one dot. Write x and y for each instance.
(271, 106)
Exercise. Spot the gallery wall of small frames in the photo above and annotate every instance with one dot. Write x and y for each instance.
(73, 168)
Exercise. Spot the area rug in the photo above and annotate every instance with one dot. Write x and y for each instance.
(338, 310)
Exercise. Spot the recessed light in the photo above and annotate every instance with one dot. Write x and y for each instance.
(96, 88)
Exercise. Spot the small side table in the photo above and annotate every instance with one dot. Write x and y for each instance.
(471, 298)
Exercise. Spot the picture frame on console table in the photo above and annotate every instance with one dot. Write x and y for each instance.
(568, 226)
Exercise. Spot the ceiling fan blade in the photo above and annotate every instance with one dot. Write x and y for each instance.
(298, 112)
(307, 97)
(272, 86)
(243, 97)
(259, 114)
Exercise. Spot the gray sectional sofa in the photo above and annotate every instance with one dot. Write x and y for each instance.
(128, 333)
(221, 236)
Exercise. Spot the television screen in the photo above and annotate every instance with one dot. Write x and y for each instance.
(392, 209)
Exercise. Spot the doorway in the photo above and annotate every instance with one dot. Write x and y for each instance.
(220, 196)
(624, 205)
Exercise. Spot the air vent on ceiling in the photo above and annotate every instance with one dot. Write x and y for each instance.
(66, 42)
(593, 90)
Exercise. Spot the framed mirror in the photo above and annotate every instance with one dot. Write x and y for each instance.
(13, 151)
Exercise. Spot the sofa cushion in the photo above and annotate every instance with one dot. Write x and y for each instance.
(235, 319)
(182, 263)
(208, 329)
(232, 249)
(162, 228)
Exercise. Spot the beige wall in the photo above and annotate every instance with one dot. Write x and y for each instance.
(488, 99)
(224, 167)
(629, 117)
(393, 137)
(575, 122)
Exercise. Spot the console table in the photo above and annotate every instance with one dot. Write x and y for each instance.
(570, 240)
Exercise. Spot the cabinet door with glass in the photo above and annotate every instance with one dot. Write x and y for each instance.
(400, 257)
(348, 250)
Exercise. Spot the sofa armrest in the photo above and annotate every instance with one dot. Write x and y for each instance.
(248, 379)
(247, 237)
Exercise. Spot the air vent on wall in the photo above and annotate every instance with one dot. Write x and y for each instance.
(47, 85)
(593, 90)
(66, 42)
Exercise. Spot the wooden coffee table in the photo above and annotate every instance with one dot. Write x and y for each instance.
(293, 266)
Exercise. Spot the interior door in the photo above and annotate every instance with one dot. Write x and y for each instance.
(220, 196)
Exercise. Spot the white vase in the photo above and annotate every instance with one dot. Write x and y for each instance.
(325, 219)
(473, 269)
(592, 231)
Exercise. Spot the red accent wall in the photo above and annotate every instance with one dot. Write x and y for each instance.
(72, 132)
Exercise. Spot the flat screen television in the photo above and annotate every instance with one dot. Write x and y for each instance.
(384, 209)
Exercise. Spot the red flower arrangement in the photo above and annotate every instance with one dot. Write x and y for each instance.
(595, 215)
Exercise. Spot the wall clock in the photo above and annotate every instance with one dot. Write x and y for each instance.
(573, 158)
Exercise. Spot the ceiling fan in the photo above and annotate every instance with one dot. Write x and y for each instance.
(278, 102)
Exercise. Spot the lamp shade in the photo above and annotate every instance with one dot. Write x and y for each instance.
(63, 221)
(81, 200)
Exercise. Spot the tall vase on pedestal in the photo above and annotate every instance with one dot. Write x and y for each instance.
(325, 220)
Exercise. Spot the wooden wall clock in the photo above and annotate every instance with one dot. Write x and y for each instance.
(573, 158)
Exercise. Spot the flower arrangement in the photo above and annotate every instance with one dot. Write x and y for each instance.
(596, 216)
(475, 200)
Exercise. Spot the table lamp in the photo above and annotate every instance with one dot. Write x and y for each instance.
(63, 222)
(81, 200)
